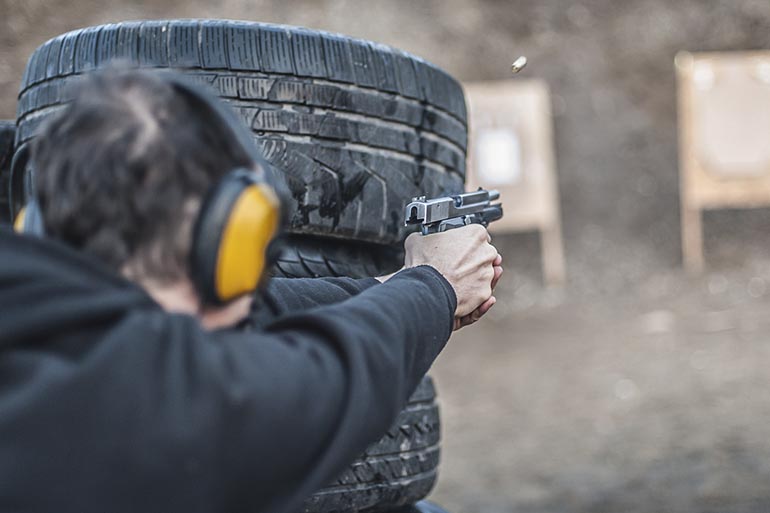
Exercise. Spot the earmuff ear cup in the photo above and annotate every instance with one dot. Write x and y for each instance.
(29, 220)
(18, 223)
(232, 237)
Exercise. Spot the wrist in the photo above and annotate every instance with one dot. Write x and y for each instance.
(448, 287)
(383, 279)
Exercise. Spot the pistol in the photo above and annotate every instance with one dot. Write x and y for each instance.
(447, 212)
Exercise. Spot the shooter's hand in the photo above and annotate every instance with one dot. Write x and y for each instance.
(465, 258)
(478, 313)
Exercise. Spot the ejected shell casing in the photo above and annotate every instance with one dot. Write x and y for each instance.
(518, 64)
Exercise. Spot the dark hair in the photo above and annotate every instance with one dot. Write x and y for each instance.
(121, 171)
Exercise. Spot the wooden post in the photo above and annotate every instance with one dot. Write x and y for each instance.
(724, 128)
(554, 270)
(692, 239)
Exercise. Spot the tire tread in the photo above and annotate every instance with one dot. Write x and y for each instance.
(7, 135)
(399, 469)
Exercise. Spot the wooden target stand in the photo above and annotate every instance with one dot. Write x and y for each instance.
(511, 149)
(724, 138)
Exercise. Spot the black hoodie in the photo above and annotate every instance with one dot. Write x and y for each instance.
(110, 404)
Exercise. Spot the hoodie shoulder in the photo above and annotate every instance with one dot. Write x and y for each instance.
(48, 290)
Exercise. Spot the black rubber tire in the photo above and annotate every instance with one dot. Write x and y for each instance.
(400, 469)
(357, 128)
(7, 135)
(420, 507)
(314, 257)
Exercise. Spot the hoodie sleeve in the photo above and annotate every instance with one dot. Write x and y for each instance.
(270, 417)
(300, 293)
(285, 295)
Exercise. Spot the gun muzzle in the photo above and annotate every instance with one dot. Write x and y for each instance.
(416, 213)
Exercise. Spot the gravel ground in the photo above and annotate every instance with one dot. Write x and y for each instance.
(649, 401)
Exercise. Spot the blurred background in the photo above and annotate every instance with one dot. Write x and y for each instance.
(635, 386)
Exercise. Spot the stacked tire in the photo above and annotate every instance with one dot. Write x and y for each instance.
(400, 469)
(7, 136)
(356, 129)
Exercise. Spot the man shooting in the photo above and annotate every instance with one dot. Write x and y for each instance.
(123, 383)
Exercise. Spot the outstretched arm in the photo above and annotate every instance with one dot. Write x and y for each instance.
(455, 256)
(270, 417)
(290, 295)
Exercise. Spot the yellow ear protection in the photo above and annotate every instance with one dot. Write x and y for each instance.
(29, 220)
(236, 234)
(233, 237)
